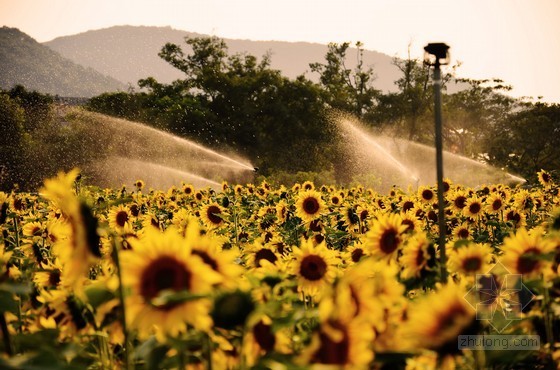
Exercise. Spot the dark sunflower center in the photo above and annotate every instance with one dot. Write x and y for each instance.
(264, 336)
(420, 257)
(54, 277)
(427, 194)
(364, 214)
(463, 233)
(409, 225)
(496, 204)
(474, 208)
(472, 264)
(265, 254)
(121, 218)
(528, 261)
(357, 254)
(310, 205)
(407, 205)
(213, 213)
(389, 241)
(460, 202)
(164, 273)
(546, 177)
(513, 216)
(206, 259)
(90, 224)
(313, 267)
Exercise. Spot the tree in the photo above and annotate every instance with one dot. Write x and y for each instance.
(474, 111)
(345, 89)
(527, 141)
(12, 119)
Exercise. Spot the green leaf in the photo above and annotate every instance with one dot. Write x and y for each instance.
(7, 302)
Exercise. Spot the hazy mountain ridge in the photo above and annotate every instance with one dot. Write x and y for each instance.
(129, 53)
(29, 63)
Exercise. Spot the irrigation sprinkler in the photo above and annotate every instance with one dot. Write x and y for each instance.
(437, 54)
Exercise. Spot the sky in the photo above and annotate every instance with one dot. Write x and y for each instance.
(517, 41)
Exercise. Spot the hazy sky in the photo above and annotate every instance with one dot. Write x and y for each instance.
(515, 40)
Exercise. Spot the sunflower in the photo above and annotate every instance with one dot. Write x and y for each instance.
(139, 184)
(354, 254)
(261, 338)
(458, 200)
(419, 256)
(435, 320)
(213, 215)
(351, 218)
(314, 266)
(119, 217)
(344, 345)
(309, 205)
(462, 231)
(515, 218)
(210, 250)
(526, 252)
(385, 239)
(188, 190)
(81, 248)
(545, 179)
(494, 204)
(307, 185)
(473, 207)
(470, 259)
(159, 266)
(411, 222)
(426, 194)
(282, 211)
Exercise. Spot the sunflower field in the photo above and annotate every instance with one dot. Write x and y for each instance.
(262, 277)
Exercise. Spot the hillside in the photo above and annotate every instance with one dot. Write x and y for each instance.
(26, 62)
(129, 53)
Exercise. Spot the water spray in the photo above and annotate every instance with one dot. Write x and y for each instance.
(437, 54)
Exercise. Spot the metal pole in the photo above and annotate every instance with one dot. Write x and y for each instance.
(439, 167)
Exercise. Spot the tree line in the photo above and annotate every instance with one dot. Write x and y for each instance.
(285, 126)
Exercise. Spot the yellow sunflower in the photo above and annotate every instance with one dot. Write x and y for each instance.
(458, 200)
(314, 266)
(385, 239)
(213, 215)
(470, 260)
(462, 231)
(473, 207)
(526, 252)
(82, 247)
(309, 205)
(159, 269)
(419, 256)
(258, 252)
(545, 179)
(494, 204)
(210, 250)
(119, 217)
(339, 345)
(435, 320)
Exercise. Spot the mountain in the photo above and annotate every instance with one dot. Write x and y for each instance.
(129, 53)
(26, 62)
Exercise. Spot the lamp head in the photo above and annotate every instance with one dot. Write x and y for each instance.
(436, 53)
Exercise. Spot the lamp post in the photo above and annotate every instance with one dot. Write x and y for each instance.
(437, 54)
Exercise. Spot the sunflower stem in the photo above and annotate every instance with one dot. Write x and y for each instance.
(208, 352)
(120, 292)
(8, 348)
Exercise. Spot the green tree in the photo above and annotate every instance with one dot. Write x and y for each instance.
(473, 112)
(12, 119)
(345, 89)
(236, 101)
(527, 141)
